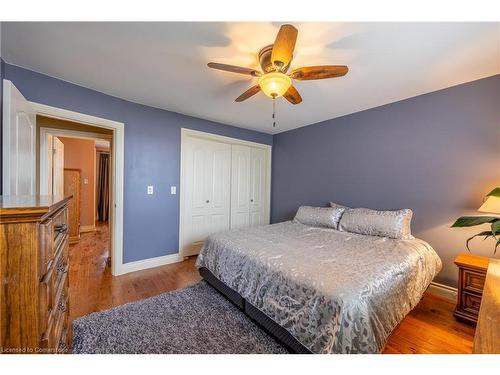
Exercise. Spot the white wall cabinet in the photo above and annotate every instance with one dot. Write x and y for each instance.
(225, 184)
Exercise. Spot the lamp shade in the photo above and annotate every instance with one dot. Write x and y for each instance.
(491, 204)
(274, 84)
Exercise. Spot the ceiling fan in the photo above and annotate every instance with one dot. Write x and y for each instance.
(275, 61)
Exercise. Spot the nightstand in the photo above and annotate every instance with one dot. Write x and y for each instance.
(471, 277)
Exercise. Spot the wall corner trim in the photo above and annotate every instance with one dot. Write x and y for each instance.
(443, 291)
(149, 263)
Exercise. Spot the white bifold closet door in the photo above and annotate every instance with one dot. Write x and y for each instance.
(240, 186)
(207, 191)
(257, 186)
(248, 177)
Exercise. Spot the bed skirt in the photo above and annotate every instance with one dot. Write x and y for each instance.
(270, 326)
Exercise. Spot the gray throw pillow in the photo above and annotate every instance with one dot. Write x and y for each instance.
(393, 224)
(327, 217)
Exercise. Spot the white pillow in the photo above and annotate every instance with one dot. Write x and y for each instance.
(393, 224)
(327, 217)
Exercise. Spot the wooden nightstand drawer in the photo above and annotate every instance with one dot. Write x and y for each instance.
(473, 281)
(471, 302)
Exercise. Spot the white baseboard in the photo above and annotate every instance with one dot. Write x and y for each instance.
(443, 291)
(150, 263)
(87, 228)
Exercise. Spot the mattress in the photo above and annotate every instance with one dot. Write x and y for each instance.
(333, 291)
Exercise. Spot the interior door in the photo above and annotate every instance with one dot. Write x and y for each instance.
(257, 186)
(206, 193)
(46, 166)
(240, 186)
(58, 167)
(19, 143)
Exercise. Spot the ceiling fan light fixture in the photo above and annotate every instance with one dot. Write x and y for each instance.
(275, 84)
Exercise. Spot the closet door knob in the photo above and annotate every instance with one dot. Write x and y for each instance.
(207, 201)
(251, 200)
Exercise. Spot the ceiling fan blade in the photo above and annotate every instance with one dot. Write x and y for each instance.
(292, 95)
(234, 69)
(283, 46)
(250, 92)
(319, 72)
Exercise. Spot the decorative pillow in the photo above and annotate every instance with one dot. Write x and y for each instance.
(327, 217)
(336, 205)
(393, 224)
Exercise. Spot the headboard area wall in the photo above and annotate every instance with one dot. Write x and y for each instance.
(438, 154)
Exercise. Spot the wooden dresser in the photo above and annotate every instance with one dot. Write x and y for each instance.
(471, 278)
(34, 275)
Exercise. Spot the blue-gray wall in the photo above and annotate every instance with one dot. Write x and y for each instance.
(437, 154)
(2, 69)
(152, 155)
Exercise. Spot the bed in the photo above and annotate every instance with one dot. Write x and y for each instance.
(320, 290)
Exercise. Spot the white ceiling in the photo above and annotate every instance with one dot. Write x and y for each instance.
(164, 64)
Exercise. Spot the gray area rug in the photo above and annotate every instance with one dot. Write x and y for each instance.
(193, 320)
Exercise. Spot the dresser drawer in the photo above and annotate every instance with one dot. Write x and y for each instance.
(58, 323)
(47, 297)
(60, 222)
(52, 233)
(53, 284)
(46, 250)
(61, 264)
(473, 281)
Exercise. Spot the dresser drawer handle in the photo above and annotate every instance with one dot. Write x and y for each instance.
(61, 266)
(62, 228)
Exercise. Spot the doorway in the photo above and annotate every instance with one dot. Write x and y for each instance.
(75, 159)
(22, 151)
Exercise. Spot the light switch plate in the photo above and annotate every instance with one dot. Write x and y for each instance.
(150, 189)
(173, 190)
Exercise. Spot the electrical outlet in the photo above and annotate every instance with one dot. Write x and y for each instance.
(173, 190)
(150, 189)
(85, 181)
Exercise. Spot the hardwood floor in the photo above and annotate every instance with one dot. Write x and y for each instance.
(429, 328)
(93, 288)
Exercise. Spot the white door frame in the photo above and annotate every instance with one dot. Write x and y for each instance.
(44, 148)
(118, 138)
(188, 133)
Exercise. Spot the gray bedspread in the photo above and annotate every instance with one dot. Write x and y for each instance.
(335, 292)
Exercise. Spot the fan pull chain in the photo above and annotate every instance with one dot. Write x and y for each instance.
(274, 112)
